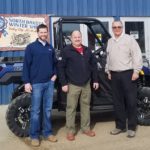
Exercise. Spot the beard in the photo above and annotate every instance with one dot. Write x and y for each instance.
(43, 38)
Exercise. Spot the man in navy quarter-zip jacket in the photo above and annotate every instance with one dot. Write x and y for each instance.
(75, 70)
(39, 75)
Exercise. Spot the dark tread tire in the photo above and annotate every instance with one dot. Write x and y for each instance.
(143, 115)
(18, 114)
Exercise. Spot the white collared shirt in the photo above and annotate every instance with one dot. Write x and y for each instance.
(42, 42)
(123, 54)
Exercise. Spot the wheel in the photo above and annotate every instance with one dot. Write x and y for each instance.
(18, 114)
(143, 114)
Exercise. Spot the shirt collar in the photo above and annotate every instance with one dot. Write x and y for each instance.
(42, 42)
(117, 39)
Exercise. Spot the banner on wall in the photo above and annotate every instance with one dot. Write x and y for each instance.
(17, 31)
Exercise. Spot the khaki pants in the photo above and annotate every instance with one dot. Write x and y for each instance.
(84, 92)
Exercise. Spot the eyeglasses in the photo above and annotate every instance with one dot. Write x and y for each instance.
(117, 27)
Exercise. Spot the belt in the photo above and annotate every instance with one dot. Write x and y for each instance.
(121, 71)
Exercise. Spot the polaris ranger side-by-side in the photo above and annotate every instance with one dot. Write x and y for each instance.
(18, 112)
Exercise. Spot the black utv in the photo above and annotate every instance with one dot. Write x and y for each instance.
(18, 112)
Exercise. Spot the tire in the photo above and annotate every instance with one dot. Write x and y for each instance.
(18, 114)
(19, 90)
(143, 112)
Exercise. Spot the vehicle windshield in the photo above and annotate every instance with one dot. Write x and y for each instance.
(97, 35)
(94, 32)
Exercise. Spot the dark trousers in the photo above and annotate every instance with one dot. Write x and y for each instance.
(125, 99)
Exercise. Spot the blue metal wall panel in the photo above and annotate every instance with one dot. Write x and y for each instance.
(6, 91)
(77, 7)
(104, 8)
(12, 53)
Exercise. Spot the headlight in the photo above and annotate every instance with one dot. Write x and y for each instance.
(141, 73)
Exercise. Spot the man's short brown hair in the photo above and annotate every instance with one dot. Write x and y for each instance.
(41, 26)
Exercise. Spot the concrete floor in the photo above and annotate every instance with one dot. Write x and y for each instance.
(101, 124)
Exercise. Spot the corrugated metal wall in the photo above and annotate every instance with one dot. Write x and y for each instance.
(77, 7)
(68, 8)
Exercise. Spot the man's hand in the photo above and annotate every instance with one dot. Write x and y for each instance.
(53, 78)
(95, 86)
(28, 87)
(65, 88)
(135, 76)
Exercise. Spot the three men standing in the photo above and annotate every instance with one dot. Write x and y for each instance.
(76, 70)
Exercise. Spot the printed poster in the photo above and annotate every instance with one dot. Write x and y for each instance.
(17, 31)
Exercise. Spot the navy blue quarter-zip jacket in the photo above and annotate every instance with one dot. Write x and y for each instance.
(75, 68)
(39, 63)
